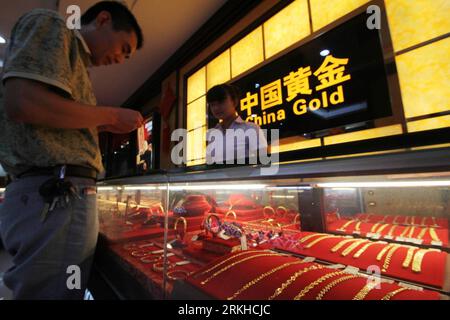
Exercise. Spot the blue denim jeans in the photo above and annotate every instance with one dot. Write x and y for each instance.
(52, 259)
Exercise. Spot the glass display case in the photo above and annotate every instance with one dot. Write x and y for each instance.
(312, 231)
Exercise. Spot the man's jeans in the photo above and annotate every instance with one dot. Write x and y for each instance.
(43, 251)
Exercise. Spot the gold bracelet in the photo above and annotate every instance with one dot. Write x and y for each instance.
(268, 207)
(383, 251)
(434, 235)
(395, 220)
(315, 241)
(363, 249)
(309, 236)
(294, 277)
(357, 227)
(411, 232)
(391, 231)
(393, 293)
(215, 274)
(332, 284)
(170, 274)
(433, 219)
(412, 221)
(418, 258)
(387, 261)
(374, 227)
(346, 225)
(422, 233)
(403, 234)
(282, 208)
(226, 260)
(262, 276)
(153, 260)
(232, 213)
(353, 246)
(182, 219)
(422, 222)
(409, 256)
(382, 227)
(159, 267)
(364, 291)
(315, 283)
(297, 218)
(341, 244)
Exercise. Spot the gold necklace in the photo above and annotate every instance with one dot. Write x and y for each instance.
(374, 227)
(422, 222)
(434, 235)
(383, 251)
(422, 233)
(315, 283)
(395, 220)
(408, 257)
(315, 241)
(393, 293)
(363, 249)
(412, 221)
(411, 232)
(215, 274)
(262, 276)
(364, 291)
(332, 284)
(382, 228)
(294, 277)
(357, 227)
(353, 246)
(346, 225)
(391, 231)
(404, 232)
(341, 244)
(387, 261)
(306, 238)
(418, 258)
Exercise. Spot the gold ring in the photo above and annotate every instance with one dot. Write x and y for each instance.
(184, 273)
(159, 267)
(232, 213)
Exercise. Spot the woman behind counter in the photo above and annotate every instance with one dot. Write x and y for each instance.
(223, 101)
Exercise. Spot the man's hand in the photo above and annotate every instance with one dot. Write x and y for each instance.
(126, 120)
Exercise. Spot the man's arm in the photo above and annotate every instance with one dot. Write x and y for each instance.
(31, 102)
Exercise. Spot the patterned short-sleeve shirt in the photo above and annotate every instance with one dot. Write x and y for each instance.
(42, 48)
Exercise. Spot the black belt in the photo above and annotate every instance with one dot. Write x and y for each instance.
(71, 171)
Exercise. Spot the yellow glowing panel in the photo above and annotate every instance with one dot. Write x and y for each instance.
(196, 114)
(296, 145)
(287, 27)
(364, 134)
(424, 79)
(367, 154)
(196, 144)
(218, 71)
(429, 124)
(444, 145)
(413, 22)
(247, 53)
(325, 12)
(196, 85)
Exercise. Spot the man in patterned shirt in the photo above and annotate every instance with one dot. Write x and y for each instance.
(49, 120)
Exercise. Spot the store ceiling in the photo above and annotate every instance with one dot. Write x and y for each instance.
(166, 24)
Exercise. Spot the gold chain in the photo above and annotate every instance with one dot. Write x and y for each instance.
(341, 244)
(316, 283)
(315, 241)
(353, 246)
(374, 227)
(434, 235)
(408, 257)
(418, 258)
(422, 233)
(405, 232)
(387, 261)
(262, 276)
(364, 291)
(383, 227)
(412, 221)
(357, 227)
(363, 249)
(294, 277)
(332, 284)
(383, 251)
(346, 225)
(391, 231)
(411, 232)
(306, 238)
(215, 274)
(393, 293)
(423, 221)
(395, 220)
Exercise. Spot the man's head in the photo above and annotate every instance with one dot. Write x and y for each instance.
(111, 32)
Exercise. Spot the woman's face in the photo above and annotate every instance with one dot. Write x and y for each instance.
(224, 109)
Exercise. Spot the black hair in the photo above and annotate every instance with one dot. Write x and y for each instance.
(122, 18)
(220, 92)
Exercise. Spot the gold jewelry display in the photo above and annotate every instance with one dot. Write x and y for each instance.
(411, 232)
(315, 241)
(231, 212)
(409, 256)
(363, 249)
(403, 234)
(215, 274)
(387, 261)
(393, 293)
(262, 276)
(292, 279)
(352, 247)
(271, 209)
(171, 275)
(374, 227)
(309, 236)
(228, 259)
(384, 226)
(383, 251)
(391, 231)
(332, 284)
(346, 225)
(418, 258)
(341, 244)
(365, 291)
(422, 233)
(284, 209)
(434, 235)
(315, 283)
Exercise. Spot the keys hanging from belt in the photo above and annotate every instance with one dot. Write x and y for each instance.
(57, 191)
